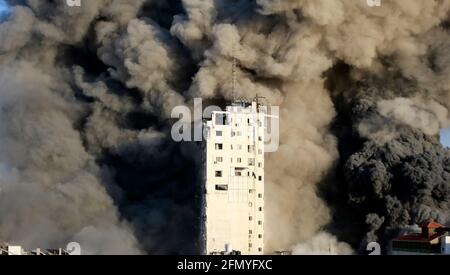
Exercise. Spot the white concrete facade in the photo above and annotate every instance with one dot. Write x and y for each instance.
(443, 242)
(15, 250)
(234, 187)
(445, 245)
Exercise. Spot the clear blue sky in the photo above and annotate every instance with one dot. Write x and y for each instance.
(445, 137)
(3, 8)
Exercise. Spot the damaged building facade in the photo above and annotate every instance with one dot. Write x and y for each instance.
(233, 202)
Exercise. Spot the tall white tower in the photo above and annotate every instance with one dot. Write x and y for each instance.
(234, 187)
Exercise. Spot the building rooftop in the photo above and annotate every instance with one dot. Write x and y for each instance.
(431, 224)
(431, 230)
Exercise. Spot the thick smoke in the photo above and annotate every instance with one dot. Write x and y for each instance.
(393, 167)
(86, 94)
(322, 244)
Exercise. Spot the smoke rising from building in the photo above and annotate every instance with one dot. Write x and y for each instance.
(86, 95)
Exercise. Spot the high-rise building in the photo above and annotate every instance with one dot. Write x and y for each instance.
(233, 218)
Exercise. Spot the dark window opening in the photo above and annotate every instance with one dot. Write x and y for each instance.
(221, 119)
(221, 187)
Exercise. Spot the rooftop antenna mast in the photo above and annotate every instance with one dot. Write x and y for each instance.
(233, 91)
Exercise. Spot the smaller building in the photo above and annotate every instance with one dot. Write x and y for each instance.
(11, 250)
(15, 250)
(434, 239)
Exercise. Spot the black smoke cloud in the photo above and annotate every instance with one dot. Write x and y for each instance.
(392, 174)
(86, 95)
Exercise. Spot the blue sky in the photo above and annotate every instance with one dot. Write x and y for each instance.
(445, 137)
(3, 7)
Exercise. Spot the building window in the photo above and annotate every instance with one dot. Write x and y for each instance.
(218, 174)
(219, 159)
(259, 236)
(251, 161)
(219, 133)
(238, 173)
(260, 195)
(250, 232)
(238, 120)
(239, 160)
(221, 119)
(259, 222)
(251, 148)
(221, 187)
(219, 146)
(250, 191)
(259, 249)
(259, 164)
(250, 245)
(260, 209)
(250, 218)
(260, 178)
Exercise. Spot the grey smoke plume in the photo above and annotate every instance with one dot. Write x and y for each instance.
(396, 172)
(86, 94)
(322, 244)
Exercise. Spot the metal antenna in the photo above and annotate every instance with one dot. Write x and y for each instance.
(257, 98)
(233, 76)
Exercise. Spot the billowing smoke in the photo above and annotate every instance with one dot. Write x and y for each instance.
(86, 95)
(322, 244)
(394, 169)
